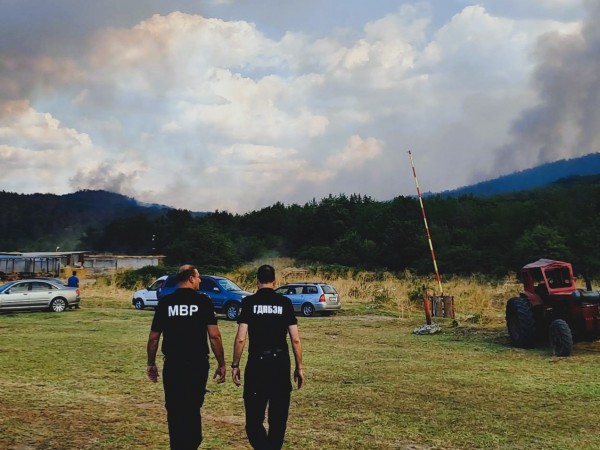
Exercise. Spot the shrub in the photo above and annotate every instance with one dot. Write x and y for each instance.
(134, 279)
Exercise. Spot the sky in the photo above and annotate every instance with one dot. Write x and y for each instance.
(234, 105)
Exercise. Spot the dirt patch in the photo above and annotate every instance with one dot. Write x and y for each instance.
(367, 318)
(403, 445)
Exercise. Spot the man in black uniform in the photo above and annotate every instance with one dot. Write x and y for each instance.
(267, 317)
(185, 318)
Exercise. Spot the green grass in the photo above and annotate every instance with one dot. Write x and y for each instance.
(76, 380)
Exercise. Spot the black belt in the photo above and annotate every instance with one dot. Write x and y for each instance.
(270, 352)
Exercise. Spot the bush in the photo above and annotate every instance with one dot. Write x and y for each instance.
(332, 271)
(133, 279)
(382, 297)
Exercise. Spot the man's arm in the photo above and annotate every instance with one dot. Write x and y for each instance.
(151, 349)
(216, 344)
(238, 348)
(297, 349)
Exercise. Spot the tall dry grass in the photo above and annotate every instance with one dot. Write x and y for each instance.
(476, 299)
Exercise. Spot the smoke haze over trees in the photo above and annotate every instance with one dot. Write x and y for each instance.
(490, 235)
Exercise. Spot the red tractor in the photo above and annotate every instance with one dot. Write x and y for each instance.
(551, 304)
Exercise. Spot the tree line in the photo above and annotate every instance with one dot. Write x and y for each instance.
(487, 235)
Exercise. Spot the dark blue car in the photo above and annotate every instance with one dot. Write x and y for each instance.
(226, 296)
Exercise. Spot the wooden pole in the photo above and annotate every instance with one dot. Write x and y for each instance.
(437, 273)
(426, 306)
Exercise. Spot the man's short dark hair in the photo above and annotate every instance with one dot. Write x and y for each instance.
(265, 274)
(183, 275)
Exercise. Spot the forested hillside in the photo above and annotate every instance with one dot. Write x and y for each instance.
(533, 178)
(42, 222)
(489, 235)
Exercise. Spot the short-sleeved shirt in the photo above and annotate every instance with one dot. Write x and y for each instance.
(183, 318)
(268, 315)
(73, 281)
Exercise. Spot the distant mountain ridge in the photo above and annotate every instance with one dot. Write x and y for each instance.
(531, 178)
(43, 222)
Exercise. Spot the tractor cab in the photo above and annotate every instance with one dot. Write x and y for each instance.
(546, 277)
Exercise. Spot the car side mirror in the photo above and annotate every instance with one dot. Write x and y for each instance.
(216, 289)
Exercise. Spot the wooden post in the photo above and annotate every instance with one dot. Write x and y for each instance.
(426, 306)
(443, 306)
(449, 306)
(437, 306)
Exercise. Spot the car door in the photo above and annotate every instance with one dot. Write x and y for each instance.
(150, 293)
(18, 296)
(294, 293)
(310, 294)
(212, 289)
(41, 293)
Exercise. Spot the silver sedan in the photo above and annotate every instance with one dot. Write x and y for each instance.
(38, 294)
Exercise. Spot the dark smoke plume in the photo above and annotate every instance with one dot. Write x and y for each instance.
(566, 122)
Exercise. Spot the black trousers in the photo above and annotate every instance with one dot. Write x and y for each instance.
(185, 386)
(267, 386)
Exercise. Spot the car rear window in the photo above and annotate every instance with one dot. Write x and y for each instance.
(328, 289)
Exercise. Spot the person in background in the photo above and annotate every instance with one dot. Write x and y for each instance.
(267, 318)
(73, 281)
(186, 319)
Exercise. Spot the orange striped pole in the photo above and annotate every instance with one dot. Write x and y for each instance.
(437, 273)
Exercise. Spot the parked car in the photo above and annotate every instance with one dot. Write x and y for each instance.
(308, 298)
(226, 296)
(38, 294)
(53, 279)
(146, 297)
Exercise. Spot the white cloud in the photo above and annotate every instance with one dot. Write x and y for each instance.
(22, 126)
(214, 113)
(356, 152)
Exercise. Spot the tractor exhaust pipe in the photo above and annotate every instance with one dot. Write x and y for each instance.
(588, 282)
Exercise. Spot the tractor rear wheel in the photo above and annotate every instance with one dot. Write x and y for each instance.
(561, 338)
(520, 322)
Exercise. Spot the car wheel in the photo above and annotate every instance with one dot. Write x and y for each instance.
(59, 304)
(139, 303)
(561, 338)
(308, 310)
(232, 310)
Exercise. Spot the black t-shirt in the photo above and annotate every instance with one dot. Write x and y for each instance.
(183, 318)
(268, 315)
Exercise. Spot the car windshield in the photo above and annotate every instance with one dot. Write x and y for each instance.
(6, 286)
(228, 285)
(154, 286)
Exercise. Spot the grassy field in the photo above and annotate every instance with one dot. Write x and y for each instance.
(76, 380)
